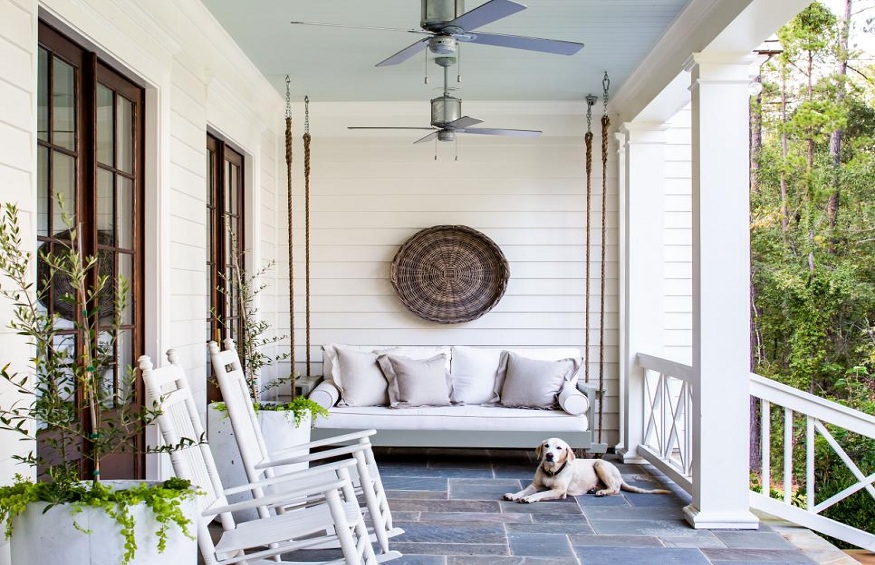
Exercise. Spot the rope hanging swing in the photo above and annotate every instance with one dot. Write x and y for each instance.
(606, 124)
(307, 138)
(291, 231)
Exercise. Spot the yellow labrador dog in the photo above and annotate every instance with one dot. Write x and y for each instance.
(561, 474)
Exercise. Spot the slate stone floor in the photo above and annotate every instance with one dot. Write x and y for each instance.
(449, 502)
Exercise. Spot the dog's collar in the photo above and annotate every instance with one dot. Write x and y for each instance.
(553, 473)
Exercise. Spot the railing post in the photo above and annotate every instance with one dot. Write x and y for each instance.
(642, 292)
(721, 279)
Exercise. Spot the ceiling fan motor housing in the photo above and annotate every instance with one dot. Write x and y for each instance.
(445, 109)
(436, 13)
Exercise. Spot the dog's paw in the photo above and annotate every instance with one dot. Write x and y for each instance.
(510, 496)
(593, 490)
(525, 500)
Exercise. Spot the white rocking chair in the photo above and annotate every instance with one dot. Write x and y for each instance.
(338, 519)
(259, 462)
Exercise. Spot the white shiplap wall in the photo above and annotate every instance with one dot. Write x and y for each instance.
(370, 193)
(195, 79)
(678, 239)
(17, 183)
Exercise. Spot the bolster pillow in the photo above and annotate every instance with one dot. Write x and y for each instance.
(325, 394)
(572, 400)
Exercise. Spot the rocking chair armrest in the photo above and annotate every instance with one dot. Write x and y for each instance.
(364, 434)
(317, 456)
(277, 499)
(293, 476)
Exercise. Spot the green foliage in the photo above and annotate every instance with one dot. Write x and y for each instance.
(242, 289)
(68, 376)
(164, 500)
(813, 240)
(297, 406)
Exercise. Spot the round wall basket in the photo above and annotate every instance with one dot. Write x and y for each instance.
(449, 274)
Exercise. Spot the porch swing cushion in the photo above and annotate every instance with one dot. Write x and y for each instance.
(470, 419)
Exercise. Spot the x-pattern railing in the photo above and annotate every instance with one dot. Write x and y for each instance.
(818, 413)
(668, 399)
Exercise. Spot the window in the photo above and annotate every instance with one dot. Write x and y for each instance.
(90, 154)
(224, 224)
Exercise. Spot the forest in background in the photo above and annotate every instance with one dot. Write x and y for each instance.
(813, 232)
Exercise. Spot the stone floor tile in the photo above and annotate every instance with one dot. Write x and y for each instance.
(577, 527)
(615, 540)
(416, 494)
(567, 506)
(394, 482)
(511, 560)
(632, 513)
(451, 532)
(540, 545)
(657, 528)
(496, 517)
(694, 538)
(592, 555)
(423, 506)
(735, 554)
(585, 500)
(753, 539)
(420, 560)
(494, 489)
(449, 549)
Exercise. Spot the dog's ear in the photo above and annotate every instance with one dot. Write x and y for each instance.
(570, 456)
(539, 450)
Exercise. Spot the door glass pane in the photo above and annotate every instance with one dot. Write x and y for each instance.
(105, 130)
(125, 365)
(126, 268)
(125, 212)
(105, 201)
(63, 183)
(42, 95)
(125, 135)
(63, 347)
(232, 189)
(42, 196)
(64, 104)
(108, 376)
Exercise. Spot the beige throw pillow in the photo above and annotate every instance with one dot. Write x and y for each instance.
(359, 378)
(531, 383)
(415, 382)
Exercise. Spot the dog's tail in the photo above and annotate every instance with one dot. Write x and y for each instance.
(625, 486)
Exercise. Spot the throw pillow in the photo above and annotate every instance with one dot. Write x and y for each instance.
(572, 400)
(531, 383)
(415, 382)
(359, 378)
(474, 370)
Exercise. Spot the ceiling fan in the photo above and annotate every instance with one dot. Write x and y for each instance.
(447, 119)
(446, 22)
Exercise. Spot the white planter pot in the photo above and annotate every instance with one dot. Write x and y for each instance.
(280, 433)
(51, 537)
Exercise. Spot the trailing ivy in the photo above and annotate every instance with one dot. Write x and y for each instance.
(164, 501)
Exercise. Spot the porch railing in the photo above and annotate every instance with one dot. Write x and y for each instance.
(668, 430)
(817, 413)
(668, 427)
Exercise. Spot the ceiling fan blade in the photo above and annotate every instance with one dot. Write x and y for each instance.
(387, 127)
(528, 43)
(428, 137)
(495, 131)
(463, 122)
(486, 14)
(419, 31)
(405, 53)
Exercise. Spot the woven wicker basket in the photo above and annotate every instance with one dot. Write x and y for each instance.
(449, 274)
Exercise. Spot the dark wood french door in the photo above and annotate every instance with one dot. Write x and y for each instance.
(90, 158)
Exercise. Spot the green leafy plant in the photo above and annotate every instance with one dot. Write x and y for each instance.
(71, 373)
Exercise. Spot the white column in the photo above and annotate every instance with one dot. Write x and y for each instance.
(641, 303)
(721, 279)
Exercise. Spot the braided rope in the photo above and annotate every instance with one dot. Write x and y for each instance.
(307, 237)
(606, 124)
(291, 250)
(588, 141)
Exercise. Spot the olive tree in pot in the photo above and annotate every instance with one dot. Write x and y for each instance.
(59, 518)
(285, 421)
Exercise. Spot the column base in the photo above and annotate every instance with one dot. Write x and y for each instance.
(630, 456)
(720, 520)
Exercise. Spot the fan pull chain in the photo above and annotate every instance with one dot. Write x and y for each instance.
(425, 53)
(291, 230)
(307, 223)
(459, 63)
(590, 101)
